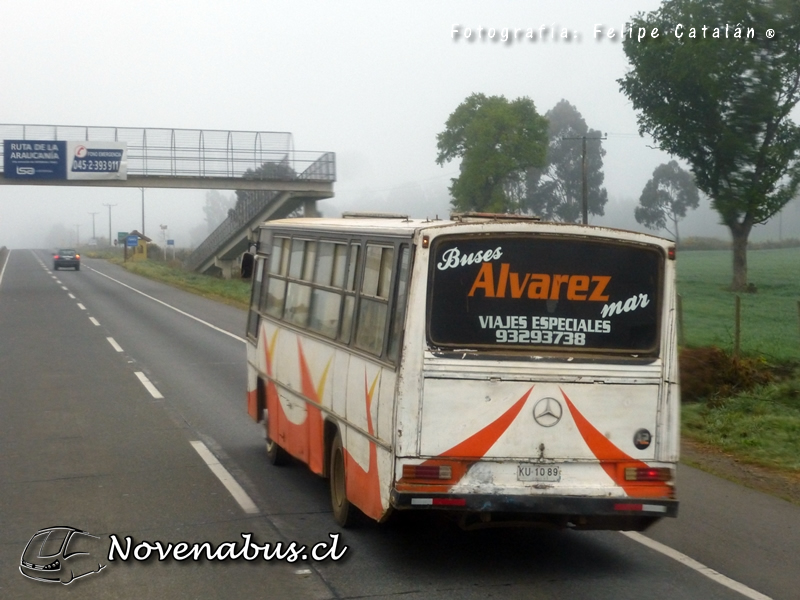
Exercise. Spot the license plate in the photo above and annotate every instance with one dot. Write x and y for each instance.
(548, 473)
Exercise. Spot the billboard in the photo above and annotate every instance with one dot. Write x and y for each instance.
(32, 159)
(97, 160)
(48, 159)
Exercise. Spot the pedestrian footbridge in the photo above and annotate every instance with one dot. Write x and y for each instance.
(271, 178)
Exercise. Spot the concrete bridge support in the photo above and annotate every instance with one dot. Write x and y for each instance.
(229, 268)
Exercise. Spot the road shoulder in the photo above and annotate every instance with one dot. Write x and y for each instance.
(716, 462)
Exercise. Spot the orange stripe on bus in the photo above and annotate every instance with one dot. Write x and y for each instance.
(363, 487)
(474, 447)
(610, 455)
(314, 429)
(478, 444)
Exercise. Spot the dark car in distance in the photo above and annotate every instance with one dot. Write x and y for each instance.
(66, 258)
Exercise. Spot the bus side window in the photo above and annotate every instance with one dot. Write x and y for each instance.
(345, 332)
(279, 261)
(326, 304)
(255, 300)
(276, 286)
(399, 308)
(374, 300)
(298, 295)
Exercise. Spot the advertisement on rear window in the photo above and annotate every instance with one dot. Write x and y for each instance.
(556, 293)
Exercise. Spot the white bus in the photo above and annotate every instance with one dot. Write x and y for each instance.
(498, 368)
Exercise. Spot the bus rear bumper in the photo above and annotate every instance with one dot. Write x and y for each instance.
(584, 512)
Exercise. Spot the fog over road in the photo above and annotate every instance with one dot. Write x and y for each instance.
(112, 387)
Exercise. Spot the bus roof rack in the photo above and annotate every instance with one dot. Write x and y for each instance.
(483, 216)
(373, 215)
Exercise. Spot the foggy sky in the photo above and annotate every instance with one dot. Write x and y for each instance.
(373, 82)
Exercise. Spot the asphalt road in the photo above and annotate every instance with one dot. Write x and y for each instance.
(84, 443)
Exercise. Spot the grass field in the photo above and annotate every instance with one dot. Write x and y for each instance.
(770, 323)
(759, 425)
(235, 292)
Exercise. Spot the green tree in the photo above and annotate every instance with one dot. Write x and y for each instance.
(555, 193)
(723, 103)
(497, 141)
(279, 170)
(216, 209)
(666, 198)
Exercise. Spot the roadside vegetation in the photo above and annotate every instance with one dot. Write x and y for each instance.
(746, 406)
(235, 292)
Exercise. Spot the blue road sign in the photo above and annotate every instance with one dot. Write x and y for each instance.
(34, 159)
(132, 241)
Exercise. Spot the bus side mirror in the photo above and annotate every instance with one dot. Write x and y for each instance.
(248, 260)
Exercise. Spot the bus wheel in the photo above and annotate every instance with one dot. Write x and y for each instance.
(344, 513)
(275, 454)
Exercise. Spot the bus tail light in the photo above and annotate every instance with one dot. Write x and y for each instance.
(436, 472)
(648, 474)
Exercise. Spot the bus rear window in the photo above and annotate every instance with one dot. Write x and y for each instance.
(544, 293)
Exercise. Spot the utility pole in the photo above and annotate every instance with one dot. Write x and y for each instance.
(94, 237)
(77, 235)
(110, 243)
(164, 240)
(584, 175)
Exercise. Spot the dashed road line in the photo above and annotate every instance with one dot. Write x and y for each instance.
(226, 478)
(114, 344)
(81, 306)
(148, 385)
(178, 310)
(94, 321)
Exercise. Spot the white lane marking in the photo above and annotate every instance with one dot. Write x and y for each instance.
(226, 478)
(81, 306)
(54, 277)
(114, 343)
(697, 566)
(71, 296)
(94, 321)
(206, 323)
(58, 282)
(3, 270)
(148, 385)
(65, 288)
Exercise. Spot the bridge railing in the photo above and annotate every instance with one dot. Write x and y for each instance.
(193, 152)
(249, 206)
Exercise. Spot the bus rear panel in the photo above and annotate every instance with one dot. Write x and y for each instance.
(548, 390)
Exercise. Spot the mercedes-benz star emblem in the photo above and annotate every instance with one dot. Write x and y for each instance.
(547, 412)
